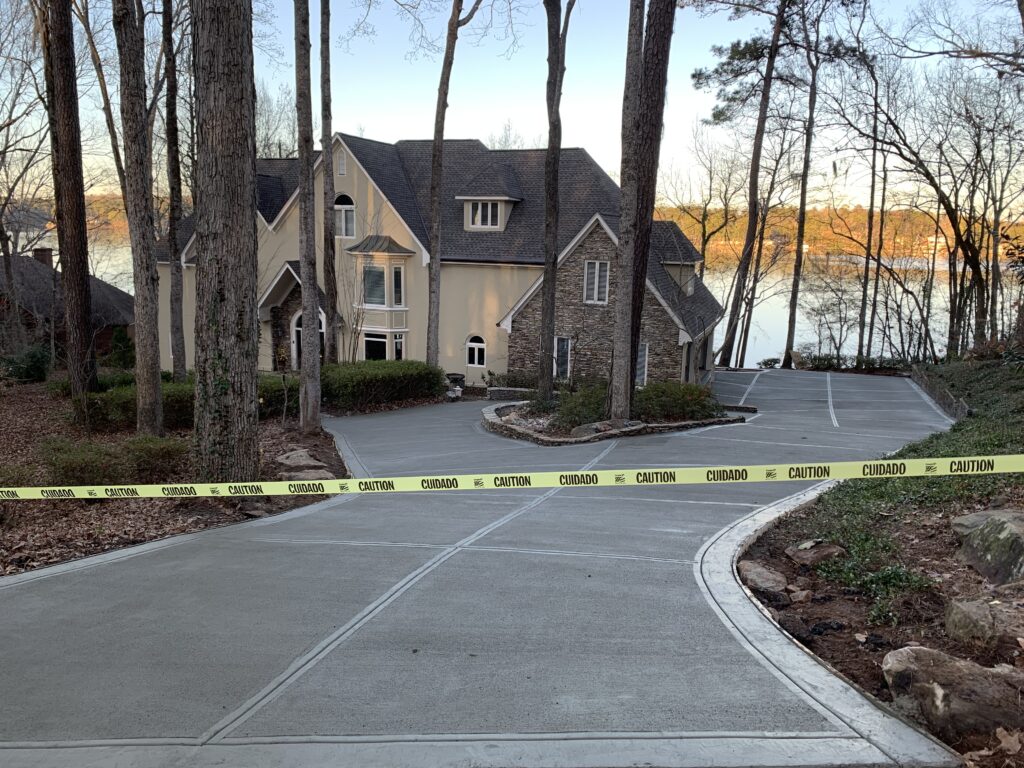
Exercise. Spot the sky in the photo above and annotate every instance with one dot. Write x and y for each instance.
(382, 93)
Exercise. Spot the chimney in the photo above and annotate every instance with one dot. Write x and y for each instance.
(43, 256)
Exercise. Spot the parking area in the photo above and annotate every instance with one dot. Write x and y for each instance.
(529, 627)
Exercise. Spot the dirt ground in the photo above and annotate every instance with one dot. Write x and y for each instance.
(34, 534)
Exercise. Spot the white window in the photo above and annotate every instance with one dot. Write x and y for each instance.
(342, 163)
(641, 366)
(375, 346)
(476, 351)
(399, 346)
(595, 282)
(396, 286)
(563, 357)
(344, 217)
(297, 339)
(484, 215)
(373, 286)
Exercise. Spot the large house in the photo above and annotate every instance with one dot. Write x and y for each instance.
(492, 254)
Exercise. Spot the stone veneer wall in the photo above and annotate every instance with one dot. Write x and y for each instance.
(592, 325)
(280, 329)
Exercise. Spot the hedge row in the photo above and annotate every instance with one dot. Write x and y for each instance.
(138, 460)
(345, 387)
(659, 402)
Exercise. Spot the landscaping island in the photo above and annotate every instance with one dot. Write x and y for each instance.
(914, 588)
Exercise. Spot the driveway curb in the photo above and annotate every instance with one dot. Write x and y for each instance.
(803, 672)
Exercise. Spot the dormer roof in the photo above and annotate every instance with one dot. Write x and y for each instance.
(498, 181)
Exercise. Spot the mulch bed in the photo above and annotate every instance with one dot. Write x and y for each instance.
(836, 625)
(34, 534)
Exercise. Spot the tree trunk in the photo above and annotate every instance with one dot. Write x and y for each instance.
(309, 391)
(801, 219)
(642, 125)
(752, 293)
(327, 164)
(557, 34)
(174, 194)
(878, 254)
(131, 43)
(869, 237)
(227, 329)
(58, 45)
(729, 341)
(14, 335)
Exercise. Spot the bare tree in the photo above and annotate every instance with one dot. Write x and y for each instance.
(331, 320)
(131, 39)
(309, 389)
(53, 23)
(643, 109)
(558, 33)
(174, 194)
(275, 123)
(227, 327)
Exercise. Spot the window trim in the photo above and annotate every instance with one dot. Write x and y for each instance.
(342, 165)
(376, 336)
(398, 343)
(344, 208)
(480, 347)
(639, 381)
(568, 357)
(493, 223)
(597, 281)
(293, 327)
(384, 284)
(397, 302)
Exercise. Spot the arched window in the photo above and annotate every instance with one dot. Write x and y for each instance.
(476, 351)
(344, 216)
(296, 337)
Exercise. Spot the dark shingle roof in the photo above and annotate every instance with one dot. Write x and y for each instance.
(33, 283)
(698, 311)
(380, 244)
(496, 180)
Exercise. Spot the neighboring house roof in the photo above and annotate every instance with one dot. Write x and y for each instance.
(695, 313)
(26, 217)
(380, 244)
(33, 283)
(496, 180)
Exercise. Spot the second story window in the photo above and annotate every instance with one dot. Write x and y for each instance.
(397, 288)
(484, 215)
(373, 286)
(344, 217)
(595, 282)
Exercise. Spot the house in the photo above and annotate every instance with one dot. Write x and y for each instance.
(492, 254)
(40, 299)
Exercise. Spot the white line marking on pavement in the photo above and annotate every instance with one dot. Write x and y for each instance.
(308, 660)
(931, 403)
(668, 501)
(831, 410)
(752, 383)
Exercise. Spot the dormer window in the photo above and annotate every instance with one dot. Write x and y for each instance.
(484, 214)
(344, 217)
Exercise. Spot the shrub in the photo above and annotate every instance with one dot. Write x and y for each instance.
(769, 362)
(105, 382)
(154, 459)
(115, 409)
(668, 401)
(122, 350)
(29, 366)
(584, 406)
(276, 392)
(512, 379)
(81, 463)
(356, 386)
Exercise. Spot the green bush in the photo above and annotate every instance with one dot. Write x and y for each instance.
(115, 409)
(29, 366)
(584, 406)
(154, 459)
(769, 362)
(357, 386)
(140, 459)
(668, 401)
(512, 379)
(82, 463)
(105, 382)
(275, 393)
(122, 350)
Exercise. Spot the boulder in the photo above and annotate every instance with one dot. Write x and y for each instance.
(307, 474)
(813, 552)
(795, 626)
(761, 578)
(954, 696)
(299, 459)
(585, 430)
(984, 623)
(801, 596)
(994, 546)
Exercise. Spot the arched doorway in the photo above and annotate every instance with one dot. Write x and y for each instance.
(296, 337)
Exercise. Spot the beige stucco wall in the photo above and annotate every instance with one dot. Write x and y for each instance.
(473, 297)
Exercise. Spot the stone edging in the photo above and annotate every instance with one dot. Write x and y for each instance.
(831, 694)
(492, 423)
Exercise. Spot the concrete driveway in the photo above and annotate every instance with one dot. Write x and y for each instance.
(568, 627)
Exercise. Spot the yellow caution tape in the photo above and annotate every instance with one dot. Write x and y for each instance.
(836, 470)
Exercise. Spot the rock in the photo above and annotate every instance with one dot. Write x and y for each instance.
(254, 510)
(984, 623)
(299, 459)
(761, 578)
(813, 552)
(994, 546)
(584, 430)
(823, 627)
(307, 474)
(953, 696)
(795, 626)
(801, 596)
